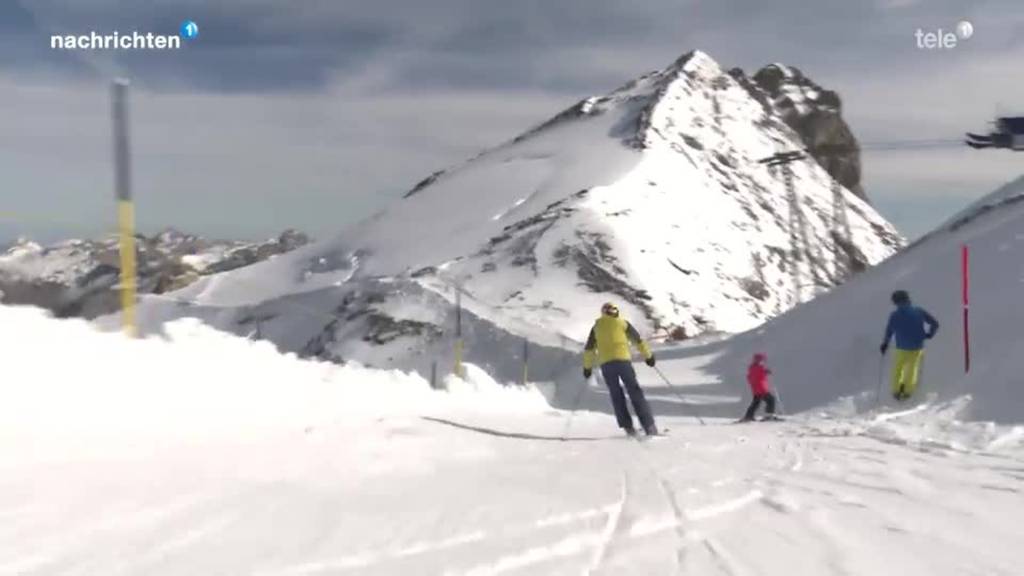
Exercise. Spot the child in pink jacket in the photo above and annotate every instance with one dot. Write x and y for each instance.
(757, 378)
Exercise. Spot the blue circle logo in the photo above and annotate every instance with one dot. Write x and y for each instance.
(189, 29)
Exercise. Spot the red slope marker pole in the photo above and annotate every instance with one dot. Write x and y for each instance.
(965, 279)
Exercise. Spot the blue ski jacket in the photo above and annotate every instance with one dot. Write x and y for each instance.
(907, 323)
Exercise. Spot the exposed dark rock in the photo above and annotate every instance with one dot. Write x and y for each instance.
(854, 259)
(691, 141)
(424, 183)
(383, 329)
(590, 262)
(425, 271)
(816, 117)
(756, 288)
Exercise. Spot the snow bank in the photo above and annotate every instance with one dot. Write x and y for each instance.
(68, 387)
(828, 348)
(931, 426)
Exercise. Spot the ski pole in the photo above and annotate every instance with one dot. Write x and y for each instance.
(575, 406)
(674, 391)
(778, 396)
(881, 376)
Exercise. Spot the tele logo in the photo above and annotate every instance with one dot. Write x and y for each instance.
(944, 39)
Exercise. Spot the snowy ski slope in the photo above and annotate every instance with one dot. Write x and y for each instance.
(828, 348)
(209, 454)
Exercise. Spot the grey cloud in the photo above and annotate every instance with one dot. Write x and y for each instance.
(247, 46)
(273, 46)
(318, 111)
(235, 165)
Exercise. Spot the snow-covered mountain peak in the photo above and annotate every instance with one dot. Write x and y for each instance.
(652, 195)
(696, 64)
(698, 105)
(637, 96)
(23, 247)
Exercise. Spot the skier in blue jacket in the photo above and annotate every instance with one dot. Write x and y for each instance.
(908, 324)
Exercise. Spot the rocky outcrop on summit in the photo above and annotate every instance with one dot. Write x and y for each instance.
(815, 114)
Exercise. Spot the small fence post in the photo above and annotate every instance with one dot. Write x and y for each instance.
(459, 371)
(526, 361)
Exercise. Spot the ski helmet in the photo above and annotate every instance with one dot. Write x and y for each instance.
(609, 309)
(760, 357)
(900, 297)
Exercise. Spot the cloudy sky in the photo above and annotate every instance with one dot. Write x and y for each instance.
(313, 113)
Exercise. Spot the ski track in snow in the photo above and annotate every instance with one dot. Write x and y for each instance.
(611, 527)
(681, 505)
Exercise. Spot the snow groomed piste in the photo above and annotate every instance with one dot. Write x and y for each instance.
(262, 463)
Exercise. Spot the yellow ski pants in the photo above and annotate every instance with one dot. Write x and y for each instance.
(906, 367)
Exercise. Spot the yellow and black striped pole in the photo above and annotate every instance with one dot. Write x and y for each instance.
(125, 206)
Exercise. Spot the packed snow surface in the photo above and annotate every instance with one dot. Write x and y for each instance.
(828, 348)
(204, 453)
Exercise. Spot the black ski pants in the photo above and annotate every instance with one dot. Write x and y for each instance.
(768, 399)
(619, 373)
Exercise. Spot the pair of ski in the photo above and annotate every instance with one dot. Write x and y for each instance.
(641, 437)
(762, 419)
(903, 407)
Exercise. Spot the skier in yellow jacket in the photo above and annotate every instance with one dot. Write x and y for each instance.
(609, 343)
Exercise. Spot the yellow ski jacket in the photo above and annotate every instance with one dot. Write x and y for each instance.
(609, 341)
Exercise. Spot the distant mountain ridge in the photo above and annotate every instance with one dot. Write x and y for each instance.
(79, 277)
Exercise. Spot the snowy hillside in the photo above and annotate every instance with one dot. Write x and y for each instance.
(828, 348)
(204, 453)
(79, 277)
(652, 196)
(110, 393)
